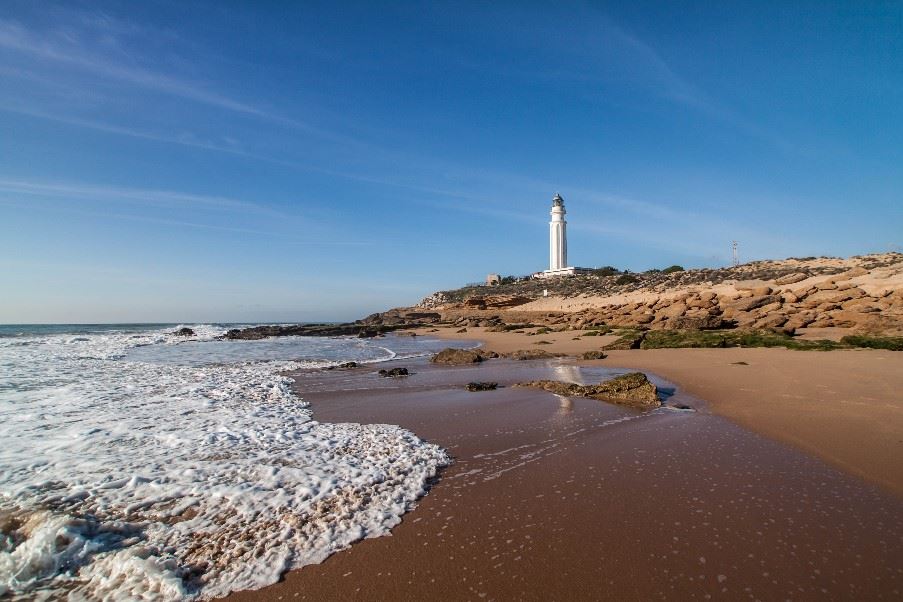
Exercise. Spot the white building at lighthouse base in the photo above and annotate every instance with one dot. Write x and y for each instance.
(563, 272)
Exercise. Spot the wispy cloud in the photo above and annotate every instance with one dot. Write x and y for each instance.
(88, 192)
(71, 52)
(184, 139)
(73, 49)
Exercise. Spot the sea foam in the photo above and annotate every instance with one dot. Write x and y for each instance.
(125, 479)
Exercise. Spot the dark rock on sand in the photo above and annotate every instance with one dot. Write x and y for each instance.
(458, 357)
(345, 365)
(475, 387)
(593, 355)
(633, 389)
(393, 372)
(184, 332)
(630, 341)
(531, 354)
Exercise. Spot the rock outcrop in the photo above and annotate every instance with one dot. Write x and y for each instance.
(633, 389)
(372, 326)
(184, 332)
(459, 357)
(863, 295)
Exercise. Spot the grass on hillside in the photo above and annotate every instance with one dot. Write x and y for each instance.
(665, 339)
(889, 343)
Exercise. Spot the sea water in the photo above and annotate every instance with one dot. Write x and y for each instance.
(135, 463)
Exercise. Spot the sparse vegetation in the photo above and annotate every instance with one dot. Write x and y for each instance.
(626, 279)
(606, 271)
(869, 342)
(509, 327)
(665, 339)
(672, 269)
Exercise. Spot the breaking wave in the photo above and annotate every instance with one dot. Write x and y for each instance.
(126, 476)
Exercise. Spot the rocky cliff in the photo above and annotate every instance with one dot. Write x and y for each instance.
(857, 295)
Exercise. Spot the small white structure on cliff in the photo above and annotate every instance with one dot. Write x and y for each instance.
(558, 244)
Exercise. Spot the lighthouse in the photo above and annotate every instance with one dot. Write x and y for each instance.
(558, 244)
(558, 236)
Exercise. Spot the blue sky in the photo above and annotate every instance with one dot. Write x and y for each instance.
(170, 161)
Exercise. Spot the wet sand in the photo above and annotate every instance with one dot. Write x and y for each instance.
(844, 406)
(573, 499)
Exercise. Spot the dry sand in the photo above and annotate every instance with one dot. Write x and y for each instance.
(573, 499)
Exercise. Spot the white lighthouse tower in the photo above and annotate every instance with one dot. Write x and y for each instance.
(558, 236)
(558, 244)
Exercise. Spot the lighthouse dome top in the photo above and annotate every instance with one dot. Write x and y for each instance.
(557, 201)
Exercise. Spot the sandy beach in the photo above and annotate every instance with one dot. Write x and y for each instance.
(553, 498)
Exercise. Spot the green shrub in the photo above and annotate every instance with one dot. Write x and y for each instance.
(626, 279)
(606, 271)
(672, 269)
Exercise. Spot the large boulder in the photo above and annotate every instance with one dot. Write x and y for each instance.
(673, 311)
(633, 389)
(791, 278)
(184, 332)
(833, 296)
(754, 302)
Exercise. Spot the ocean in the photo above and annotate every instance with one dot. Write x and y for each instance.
(140, 464)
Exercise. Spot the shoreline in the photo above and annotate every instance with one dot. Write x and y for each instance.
(553, 498)
(843, 406)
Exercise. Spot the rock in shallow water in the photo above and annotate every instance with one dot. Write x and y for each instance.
(633, 389)
(394, 372)
(458, 357)
(475, 387)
